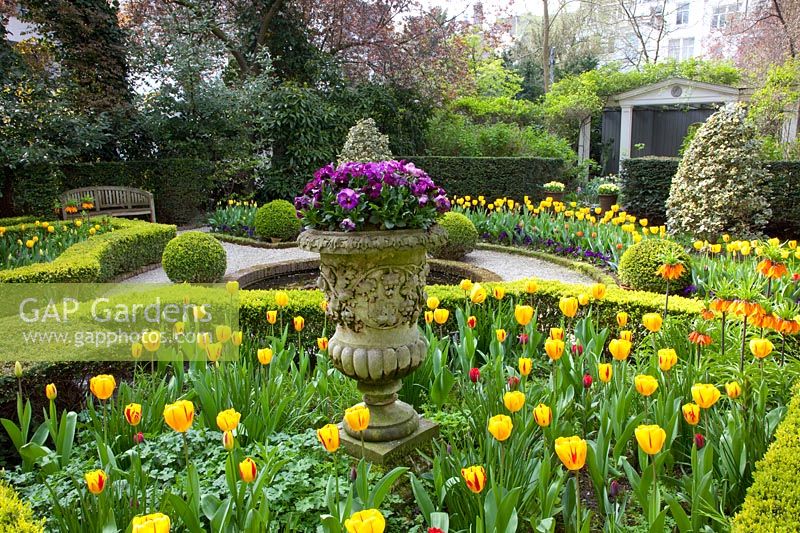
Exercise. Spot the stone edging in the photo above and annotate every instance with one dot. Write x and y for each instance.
(254, 274)
(586, 269)
(129, 275)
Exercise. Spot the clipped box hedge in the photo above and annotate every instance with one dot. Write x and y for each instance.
(772, 503)
(133, 244)
(646, 182)
(492, 177)
(253, 304)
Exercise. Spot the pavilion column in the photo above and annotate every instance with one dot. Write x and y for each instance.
(789, 128)
(625, 132)
(585, 139)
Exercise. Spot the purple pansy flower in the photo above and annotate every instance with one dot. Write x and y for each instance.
(347, 198)
(347, 225)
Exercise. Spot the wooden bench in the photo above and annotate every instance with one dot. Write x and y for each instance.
(111, 201)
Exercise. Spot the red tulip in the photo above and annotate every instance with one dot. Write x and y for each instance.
(513, 381)
(474, 374)
(587, 381)
(699, 440)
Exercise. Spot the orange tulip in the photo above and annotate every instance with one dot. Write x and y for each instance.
(475, 478)
(96, 481)
(179, 415)
(102, 386)
(248, 470)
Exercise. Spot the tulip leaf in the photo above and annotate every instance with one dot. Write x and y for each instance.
(383, 487)
(423, 500)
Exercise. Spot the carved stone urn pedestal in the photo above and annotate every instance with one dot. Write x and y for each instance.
(374, 282)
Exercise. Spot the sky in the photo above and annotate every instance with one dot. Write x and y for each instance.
(516, 7)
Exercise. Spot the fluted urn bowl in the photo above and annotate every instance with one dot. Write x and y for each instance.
(374, 282)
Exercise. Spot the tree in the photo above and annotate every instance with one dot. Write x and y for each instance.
(721, 186)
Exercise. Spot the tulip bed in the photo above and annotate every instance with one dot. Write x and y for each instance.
(556, 414)
(26, 244)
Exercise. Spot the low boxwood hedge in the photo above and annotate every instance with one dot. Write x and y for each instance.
(773, 502)
(254, 304)
(132, 245)
(15, 514)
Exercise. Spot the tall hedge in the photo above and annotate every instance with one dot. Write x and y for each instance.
(181, 187)
(646, 182)
(645, 186)
(492, 177)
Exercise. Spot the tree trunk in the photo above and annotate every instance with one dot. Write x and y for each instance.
(545, 47)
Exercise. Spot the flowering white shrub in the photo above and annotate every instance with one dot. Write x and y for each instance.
(720, 186)
(365, 144)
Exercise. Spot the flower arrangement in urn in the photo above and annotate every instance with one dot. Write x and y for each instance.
(372, 223)
(385, 195)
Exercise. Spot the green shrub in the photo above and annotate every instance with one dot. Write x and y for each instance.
(645, 186)
(784, 197)
(638, 265)
(773, 503)
(721, 185)
(194, 257)
(461, 236)
(132, 245)
(278, 220)
(15, 514)
(365, 144)
(493, 177)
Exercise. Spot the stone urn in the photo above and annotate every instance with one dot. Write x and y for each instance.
(374, 282)
(607, 200)
(557, 196)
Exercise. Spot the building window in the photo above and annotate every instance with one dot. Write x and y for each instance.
(680, 48)
(674, 49)
(722, 15)
(682, 14)
(687, 48)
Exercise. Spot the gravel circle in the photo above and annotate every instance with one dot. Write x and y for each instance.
(508, 266)
(512, 267)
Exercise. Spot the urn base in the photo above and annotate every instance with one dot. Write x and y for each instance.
(389, 418)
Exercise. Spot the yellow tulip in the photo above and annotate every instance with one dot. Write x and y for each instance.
(228, 419)
(645, 385)
(428, 317)
(199, 312)
(357, 417)
(367, 521)
(328, 436)
(96, 481)
(554, 348)
(214, 351)
(433, 302)
(264, 356)
(571, 451)
(626, 335)
(232, 287)
(151, 523)
(272, 317)
(543, 415)
(203, 339)
(178, 328)
(523, 314)
(228, 442)
(223, 333)
(478, 294)
(500, 334)
(667, 359)
(236, 338)
(151, 340)
(133, 414)
(557, 334)
(620, 349)
(179, 415)
(583, 299)
(733, 390)
(102, 386)
(691, 413)
(136, 350)
(525, 365)
(248, 470)
(604, 372)
(322, 343)
(761, 348)
(281, 299)
(650, 438)
(50, 391)
(705, 394)
(466, 285)
(500, 427)
(652, 321)
(531, 286)
(568, 306)
(324, 306)
(514, 400)
(622, 319)
(474, 477)
(440, 316)
(498, 292)
(299, 323)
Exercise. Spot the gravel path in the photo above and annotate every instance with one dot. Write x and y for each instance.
(511, 267)
(508, 266)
